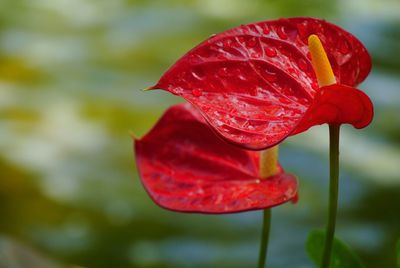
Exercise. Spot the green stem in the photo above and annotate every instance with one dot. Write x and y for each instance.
(264, 238)
(334, 131)
(268, 168)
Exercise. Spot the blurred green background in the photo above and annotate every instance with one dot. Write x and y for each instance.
(71, 74)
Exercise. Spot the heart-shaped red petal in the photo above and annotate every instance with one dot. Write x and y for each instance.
(186, 167)
(253, 83)
(338, 104)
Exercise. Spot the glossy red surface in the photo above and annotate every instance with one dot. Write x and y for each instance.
(254, 83)
(186, 167)
(338, 104)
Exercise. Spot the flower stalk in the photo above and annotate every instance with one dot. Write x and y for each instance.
(262, 259)
(268, 167)
(334, 131)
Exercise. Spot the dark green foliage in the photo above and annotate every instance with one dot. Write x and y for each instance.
(342, 255)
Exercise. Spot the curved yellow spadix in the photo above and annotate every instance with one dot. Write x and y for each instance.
(320, 62)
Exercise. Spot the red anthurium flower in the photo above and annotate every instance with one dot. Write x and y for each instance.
(255, 84)
(186, 167)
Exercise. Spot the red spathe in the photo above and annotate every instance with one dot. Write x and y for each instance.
(255, 84)
(186, 167)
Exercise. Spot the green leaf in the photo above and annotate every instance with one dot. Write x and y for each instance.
(398, 253)
(342, 255)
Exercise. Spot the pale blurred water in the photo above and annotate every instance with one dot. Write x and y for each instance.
(71, 74)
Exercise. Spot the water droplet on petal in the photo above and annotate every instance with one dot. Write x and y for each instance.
(284, 100)
(197, 92)
(218, 45)
(270, 52)
(221, 57)
(287, 89)
(227, 43)
(200, 191)
(302, 28)
(271, 76)
(251, 42)
(255, 54)
(222, 71)
(281, 33)
(266, 30)
(232, 110)
(302, 101)
(314, 85)
(198, 74)
(303, 65)
(253, 28)
(219, 122)
(344, 47)
(291, 70)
